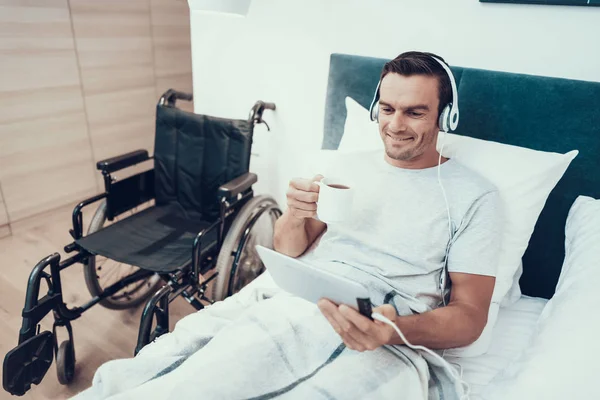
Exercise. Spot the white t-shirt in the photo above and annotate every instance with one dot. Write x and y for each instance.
(398, 232)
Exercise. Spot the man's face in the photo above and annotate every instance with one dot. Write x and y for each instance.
(408, 114)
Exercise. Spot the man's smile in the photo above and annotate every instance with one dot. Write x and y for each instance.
(399, 138)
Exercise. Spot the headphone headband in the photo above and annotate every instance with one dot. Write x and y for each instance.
(449, 116)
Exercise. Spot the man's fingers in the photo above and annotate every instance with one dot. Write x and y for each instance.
(326, 306)
(366, 342)
(297, 213)
(360, 321)
(353, 344)
(362, 331)
(303, 196)
(306, 185)
(330, 310)
(351, 335)
(387, 310)
(301, 205)
(343, 327)
(333, 323)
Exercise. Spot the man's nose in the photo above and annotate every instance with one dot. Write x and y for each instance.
(398, 122)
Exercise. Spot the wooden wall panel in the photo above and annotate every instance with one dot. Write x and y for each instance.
(79, 82)
(114, 45)
(4, 228)
(172, 47)
(45, 153)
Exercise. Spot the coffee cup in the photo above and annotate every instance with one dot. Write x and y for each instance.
(335, 200)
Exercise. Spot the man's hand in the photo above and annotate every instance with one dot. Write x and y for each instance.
(358, 332)
(296, 230)
(302, 196)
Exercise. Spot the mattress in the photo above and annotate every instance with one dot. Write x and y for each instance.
(512, 333)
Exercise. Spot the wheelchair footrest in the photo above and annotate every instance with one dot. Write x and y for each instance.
(28, 363)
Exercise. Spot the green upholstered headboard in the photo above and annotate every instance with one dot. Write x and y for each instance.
(541, 113)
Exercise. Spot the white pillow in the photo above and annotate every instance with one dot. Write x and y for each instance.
(360, 133)
(307, 164)
(561, 361)
(524, 178)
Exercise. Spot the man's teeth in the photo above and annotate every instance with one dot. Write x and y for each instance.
(399, 139)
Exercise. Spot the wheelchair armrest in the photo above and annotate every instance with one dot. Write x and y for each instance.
(77, 219)
(122, 161)
(238, 185)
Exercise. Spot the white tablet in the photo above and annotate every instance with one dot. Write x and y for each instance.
(310, 283)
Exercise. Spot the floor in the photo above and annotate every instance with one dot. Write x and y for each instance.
(100, 334)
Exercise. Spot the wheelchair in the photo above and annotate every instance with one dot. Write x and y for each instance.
(186, 226)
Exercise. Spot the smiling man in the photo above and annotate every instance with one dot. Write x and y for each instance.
(399, 236)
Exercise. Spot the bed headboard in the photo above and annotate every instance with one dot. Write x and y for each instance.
(541, 113)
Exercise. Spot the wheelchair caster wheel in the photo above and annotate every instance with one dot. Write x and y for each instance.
(65, 362)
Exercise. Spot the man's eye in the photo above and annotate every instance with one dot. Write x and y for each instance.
(415, 114)
(386, 110)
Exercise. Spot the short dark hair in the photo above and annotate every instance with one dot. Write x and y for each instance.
(420, 63)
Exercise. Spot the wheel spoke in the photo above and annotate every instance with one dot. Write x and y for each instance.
(111, 272)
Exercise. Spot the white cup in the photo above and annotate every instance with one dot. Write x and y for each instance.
(335, 200)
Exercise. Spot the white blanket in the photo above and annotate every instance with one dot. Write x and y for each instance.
(263, 344)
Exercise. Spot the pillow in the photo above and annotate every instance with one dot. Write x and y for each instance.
(307, 164)
(360, 133)
(524, 178)
(560, 361)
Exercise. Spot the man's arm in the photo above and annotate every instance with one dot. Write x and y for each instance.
(458, 324)
(293, 236)
(296, 230)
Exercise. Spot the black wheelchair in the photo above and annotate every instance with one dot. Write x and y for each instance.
(185, 226)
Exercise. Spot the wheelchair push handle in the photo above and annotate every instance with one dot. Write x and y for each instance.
(269, 106)
(257, 111)
(170, 97)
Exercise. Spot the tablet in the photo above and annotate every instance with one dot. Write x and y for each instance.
(310, 283)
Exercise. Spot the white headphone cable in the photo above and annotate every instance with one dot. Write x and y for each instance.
(443, 276)
(442, 186)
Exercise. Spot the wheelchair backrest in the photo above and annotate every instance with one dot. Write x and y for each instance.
(194, 155)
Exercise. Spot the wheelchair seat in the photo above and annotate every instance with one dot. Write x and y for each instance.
(158, 239)
(194, 156)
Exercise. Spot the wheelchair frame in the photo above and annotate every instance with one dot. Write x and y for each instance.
(122, 196)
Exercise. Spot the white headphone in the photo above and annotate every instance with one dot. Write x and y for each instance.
(448, 117)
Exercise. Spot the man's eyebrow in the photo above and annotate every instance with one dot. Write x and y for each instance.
(424, 107)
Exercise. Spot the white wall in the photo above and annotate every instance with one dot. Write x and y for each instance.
(280, 52)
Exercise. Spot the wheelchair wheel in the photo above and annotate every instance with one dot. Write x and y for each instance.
(101, 272)
(65, 362)
(232, 278)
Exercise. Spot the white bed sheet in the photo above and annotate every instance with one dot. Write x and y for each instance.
(511, 335)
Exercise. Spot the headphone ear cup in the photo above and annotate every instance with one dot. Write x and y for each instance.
(374, 108)
(375, 112)
(444, 121)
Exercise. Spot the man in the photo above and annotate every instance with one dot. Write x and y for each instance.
(401, 233)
